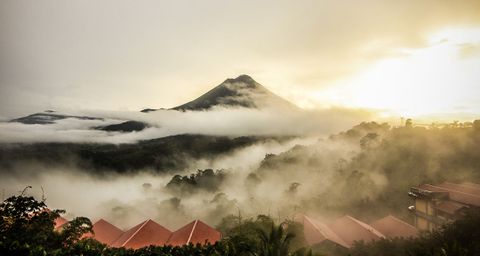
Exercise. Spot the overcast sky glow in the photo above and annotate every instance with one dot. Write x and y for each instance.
(410, 58)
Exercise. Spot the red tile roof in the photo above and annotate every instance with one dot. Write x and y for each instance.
(470, 184)
(394, 227)
(194, 232)
(105, 232)
(149, 233)
(454, 194)
(350, 229)
(465, 188)
(144, 234)
(449, 207)
(316, 232)
(59, 222)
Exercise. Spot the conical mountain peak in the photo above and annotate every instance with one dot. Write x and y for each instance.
(242, 91)
(243, 79)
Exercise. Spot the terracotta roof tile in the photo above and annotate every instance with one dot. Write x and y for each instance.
(59, 222)
(317, 232)
(470, 184)
(469, 189)
(144, 234)
(180, 236)
(391, 226)
(350, 229)
(105, 232)
(449, 207)
(194, 232)
(454, 194)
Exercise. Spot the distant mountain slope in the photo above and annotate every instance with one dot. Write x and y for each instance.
(242, 91)
(48, 117)
(128, 126)
(51, 117)
(146, 110)
(161, 155)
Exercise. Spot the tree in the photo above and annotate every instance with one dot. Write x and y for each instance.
(75, 229)
(27, 227)
(276, 242)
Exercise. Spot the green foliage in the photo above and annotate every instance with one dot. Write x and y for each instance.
(27, 228)
(261, 236)
(73, 231)
(206, 180)
(162, 154)
(276, 242)
(243, 234)
(369, 169)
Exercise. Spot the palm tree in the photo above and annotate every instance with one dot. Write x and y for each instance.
(274, 243)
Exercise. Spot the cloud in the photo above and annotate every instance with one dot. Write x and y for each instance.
(54, 57)
(220, 121)
(128, 199)
(470, 50)
(344, 174)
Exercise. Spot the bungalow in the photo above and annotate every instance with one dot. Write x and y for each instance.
(149, 233)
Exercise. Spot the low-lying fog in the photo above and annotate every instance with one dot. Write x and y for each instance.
(129, 199)
(365, 170)
(219, 121)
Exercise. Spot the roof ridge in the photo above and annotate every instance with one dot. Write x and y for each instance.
(100, 220)
(401, 221)
(191, 232)
(315, 225)
(313, 222)
(367, 227)
(136, 231)
(107, 223)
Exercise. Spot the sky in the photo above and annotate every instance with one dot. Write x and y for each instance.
(396, 58)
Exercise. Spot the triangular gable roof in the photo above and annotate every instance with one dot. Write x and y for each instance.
(391, 226)
(317, 232)
(144, 234)
(194, 232)
(59, 222)
(350, 229)
(105, 232)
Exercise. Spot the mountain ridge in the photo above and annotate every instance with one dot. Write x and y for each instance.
(240, 92)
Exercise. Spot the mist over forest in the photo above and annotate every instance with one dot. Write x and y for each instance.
(364, 171)
(239, 128)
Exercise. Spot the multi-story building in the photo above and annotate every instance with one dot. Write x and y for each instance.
(435, 205)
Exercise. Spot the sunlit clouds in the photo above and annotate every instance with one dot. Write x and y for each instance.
(441, 78)
(128, 55)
